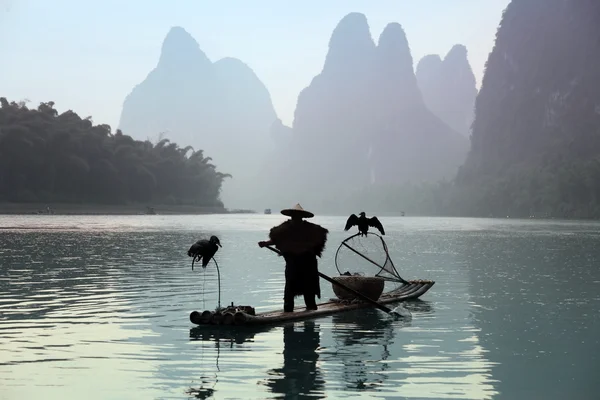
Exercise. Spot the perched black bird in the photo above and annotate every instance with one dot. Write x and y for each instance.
(205, 250)
(364, 223)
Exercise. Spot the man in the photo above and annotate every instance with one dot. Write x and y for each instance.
(300, 242)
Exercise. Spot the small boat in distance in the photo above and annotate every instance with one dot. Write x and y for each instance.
(267, 211)
(48, 211)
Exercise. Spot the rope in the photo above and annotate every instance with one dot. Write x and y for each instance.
(203, 291)
(197, 258)
(218, 283)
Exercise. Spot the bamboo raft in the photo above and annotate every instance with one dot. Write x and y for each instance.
(246, 316)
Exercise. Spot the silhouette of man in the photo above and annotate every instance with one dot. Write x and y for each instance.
(300, 242)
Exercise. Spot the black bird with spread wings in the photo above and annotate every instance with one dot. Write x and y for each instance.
(204, 249)
(364, 223)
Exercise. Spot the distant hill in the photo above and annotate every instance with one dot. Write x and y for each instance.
(362, 122)
(449, 88)
(536, 134)
(221, 107)
(412, 144)
(47, 157)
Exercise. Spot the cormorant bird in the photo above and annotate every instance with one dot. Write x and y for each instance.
(364, 223)
(205, 250)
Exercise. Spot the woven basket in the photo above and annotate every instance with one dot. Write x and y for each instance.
(370, 286)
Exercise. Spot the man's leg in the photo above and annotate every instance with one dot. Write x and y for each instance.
(288, 299)
(309, 300)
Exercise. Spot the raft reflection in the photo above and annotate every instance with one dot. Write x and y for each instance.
(299, 375)
(361, 342)
(222, 337)
(230, 335)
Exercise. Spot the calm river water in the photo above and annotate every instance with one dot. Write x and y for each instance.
(97, 308)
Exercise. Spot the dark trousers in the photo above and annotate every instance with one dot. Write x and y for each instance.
(301, 279)
(309, 301)
(288, 300)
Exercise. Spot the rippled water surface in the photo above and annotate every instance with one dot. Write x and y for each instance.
(97, 308)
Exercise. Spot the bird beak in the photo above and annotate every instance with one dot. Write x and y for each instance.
(219, 244)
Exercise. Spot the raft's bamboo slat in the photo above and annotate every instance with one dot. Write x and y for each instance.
(410, 291)
(228, 318)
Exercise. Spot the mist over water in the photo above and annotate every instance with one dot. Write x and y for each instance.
(97, 307)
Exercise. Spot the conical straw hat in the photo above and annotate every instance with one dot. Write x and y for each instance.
(297, 210)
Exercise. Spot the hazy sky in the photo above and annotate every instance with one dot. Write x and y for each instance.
(87, 55)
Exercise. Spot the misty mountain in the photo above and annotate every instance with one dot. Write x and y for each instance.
(221, 107)
(362, 121)
(281, 134)
(411, 143)
(333, 114)
(536, 134)
(449, 88)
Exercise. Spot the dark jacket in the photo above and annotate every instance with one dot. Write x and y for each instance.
(300, 243)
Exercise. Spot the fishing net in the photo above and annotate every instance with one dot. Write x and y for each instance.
(366, 256)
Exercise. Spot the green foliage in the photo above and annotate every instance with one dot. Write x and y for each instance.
(559, 188)
(47, 157)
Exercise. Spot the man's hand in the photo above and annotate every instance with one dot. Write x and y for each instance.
(265, 243)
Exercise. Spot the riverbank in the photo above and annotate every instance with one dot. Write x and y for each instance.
(106, 209)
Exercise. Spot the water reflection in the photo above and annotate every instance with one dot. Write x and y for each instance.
(537, 308)
(222, 337)
(362, 341)
(299, 375)
(228, 334)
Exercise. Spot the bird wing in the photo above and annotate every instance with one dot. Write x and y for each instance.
(197, 247)
(192, 251)
(352, 220)
(375, 223)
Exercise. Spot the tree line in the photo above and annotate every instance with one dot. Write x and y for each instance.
(50, 157)
(560, 187)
